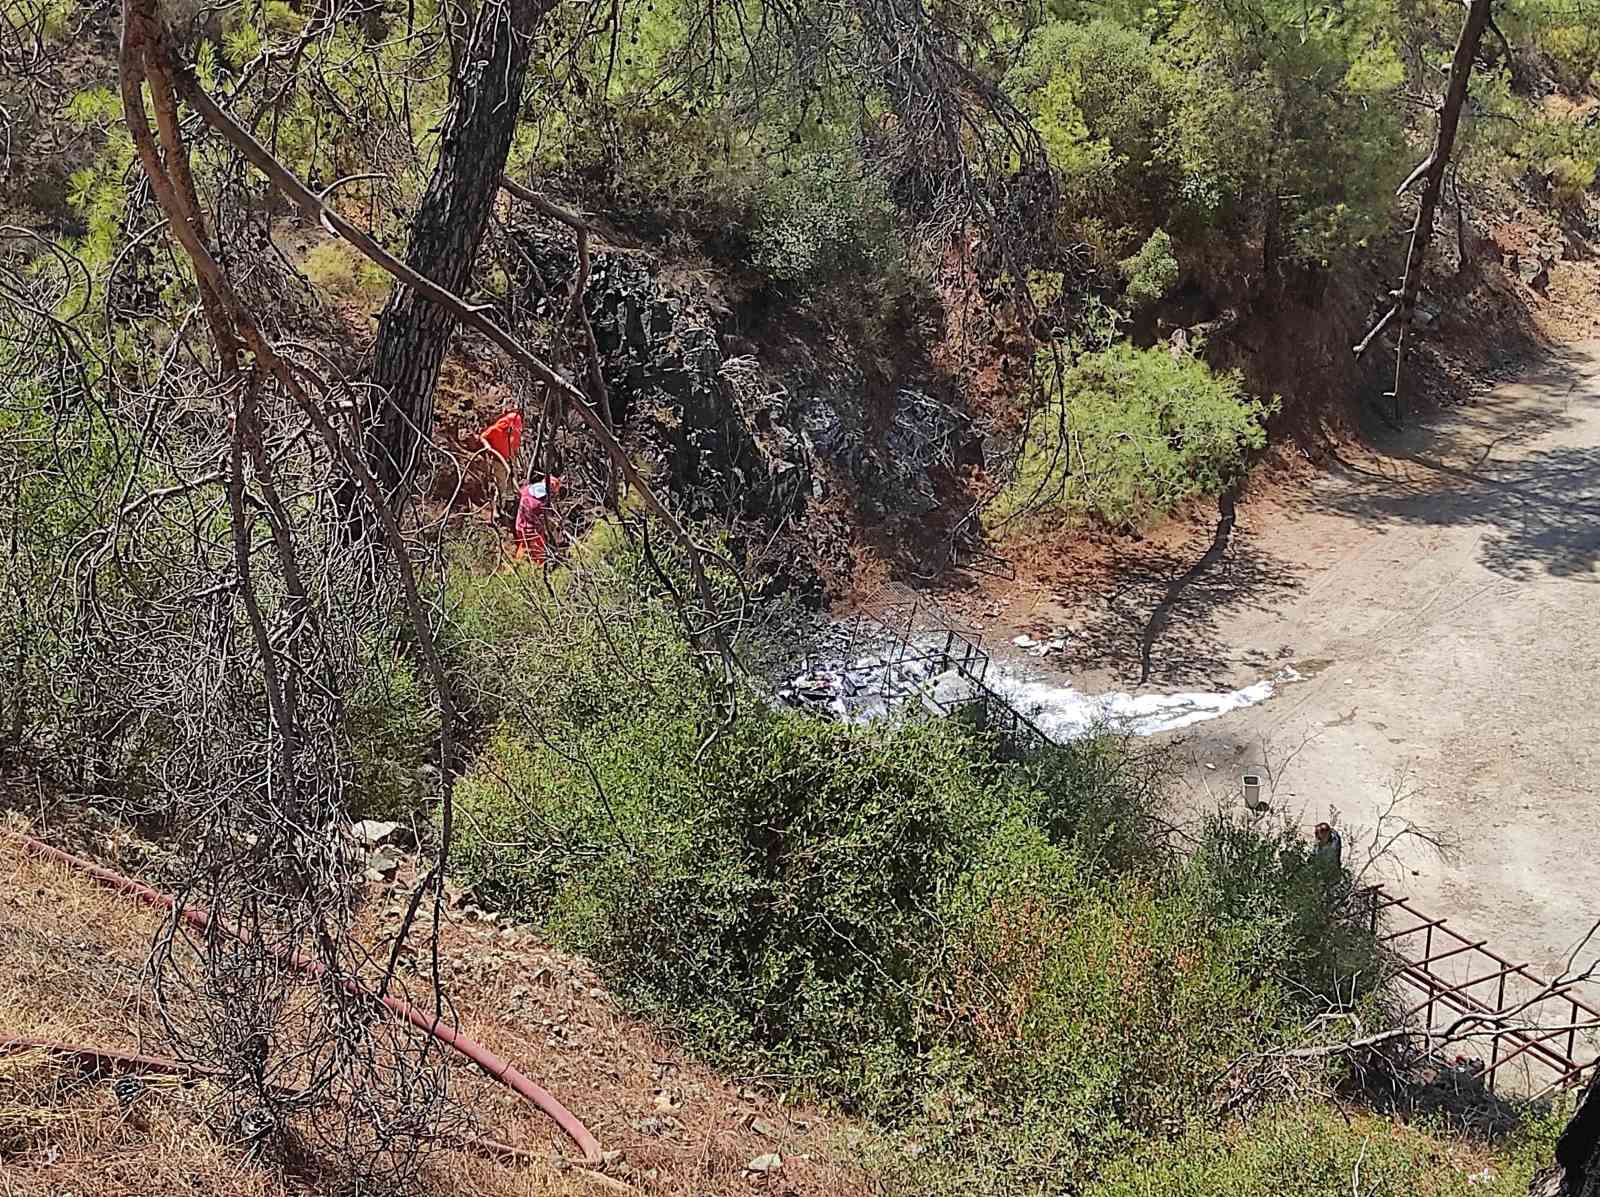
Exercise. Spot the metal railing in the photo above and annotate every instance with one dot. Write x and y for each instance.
(968, 659)
(1455, 976)
(912, 633)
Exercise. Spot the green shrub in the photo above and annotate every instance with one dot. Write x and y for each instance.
(1264, 884)
(825, 219)
(1099, 97)
(777, 892)
(1571, 178)
(1318, 1151)
(930, 925)
(342, 273)
(1288, 124)
(1219, 120)
(659, 167)
(279, 17)
(66, 470)
(1127, 434)
(1152, 272)
(393, 726)
(1105, 1007)
(1565, 148)
(1575, 49)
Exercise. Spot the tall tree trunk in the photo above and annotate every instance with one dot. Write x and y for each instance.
(1431, 172)
(1576, 1172)
(413, 333)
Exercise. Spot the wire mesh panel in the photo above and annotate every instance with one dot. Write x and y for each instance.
(1521, 1029)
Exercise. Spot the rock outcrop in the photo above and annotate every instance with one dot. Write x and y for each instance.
(739, 441)
(730, 445)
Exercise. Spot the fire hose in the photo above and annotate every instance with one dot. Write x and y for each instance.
(108, 1061)
(496, 1068)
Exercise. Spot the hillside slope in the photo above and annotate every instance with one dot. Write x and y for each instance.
(74, 955)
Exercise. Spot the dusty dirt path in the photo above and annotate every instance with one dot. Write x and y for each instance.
(1440, 596)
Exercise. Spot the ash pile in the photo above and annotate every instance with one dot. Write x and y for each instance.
(861, 669)
(865, 689)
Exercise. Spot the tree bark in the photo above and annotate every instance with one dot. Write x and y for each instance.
(413, 333)
(1431, 172)
(1576, 1172)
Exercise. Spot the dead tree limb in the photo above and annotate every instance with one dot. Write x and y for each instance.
(1431, 172)
(146, 58)
(1376, 330)
(96, 1061)
(1468, 1026)
(544, 205)
(107, 1061)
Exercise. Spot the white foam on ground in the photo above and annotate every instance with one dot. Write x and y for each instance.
(869, 687)
(1065, 713)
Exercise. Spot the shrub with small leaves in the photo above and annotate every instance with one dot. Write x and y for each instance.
(826, 218)
(344, 274)
(1127, 434)
(1317, 1150)
(917, 918)
(1152, 272)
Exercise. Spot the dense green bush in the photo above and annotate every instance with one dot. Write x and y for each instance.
(1317, 1151)
(1104, 1007)
(1289, 126)
(1577, 47)
(1264, 883)
(1100, 98)
(65, 470)
(344, 274)
(1573, 46)
(921, 921)
(1567, 152)
(779, 890)
(827, 217)
(1214, 119)
(1127, 434)
(1151, 272)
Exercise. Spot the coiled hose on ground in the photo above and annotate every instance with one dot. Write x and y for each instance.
(497, 1069)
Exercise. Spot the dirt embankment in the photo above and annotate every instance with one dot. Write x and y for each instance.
(72, 959)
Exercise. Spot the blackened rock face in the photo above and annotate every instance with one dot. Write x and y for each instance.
(732, 443)
(740, 441)
(731, 449)
(893, 470)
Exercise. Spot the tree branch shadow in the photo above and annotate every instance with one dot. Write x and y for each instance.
(1538, 511)
(1161, 622)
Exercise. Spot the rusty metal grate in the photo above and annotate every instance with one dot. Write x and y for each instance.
(1458, 976)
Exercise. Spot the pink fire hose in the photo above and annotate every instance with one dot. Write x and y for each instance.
(500, 1070)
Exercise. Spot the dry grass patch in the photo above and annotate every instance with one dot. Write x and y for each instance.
(71, 966)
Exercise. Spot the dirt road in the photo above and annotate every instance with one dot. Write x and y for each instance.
(1440, 597)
